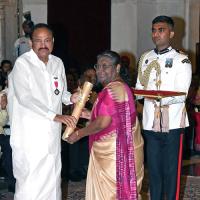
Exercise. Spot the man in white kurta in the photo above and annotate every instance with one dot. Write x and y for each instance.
(37, 89)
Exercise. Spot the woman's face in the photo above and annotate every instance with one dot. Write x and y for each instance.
(105, 70)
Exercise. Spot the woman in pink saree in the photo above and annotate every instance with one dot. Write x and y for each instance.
(112, 170)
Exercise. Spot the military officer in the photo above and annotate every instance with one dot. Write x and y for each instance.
(163, 68)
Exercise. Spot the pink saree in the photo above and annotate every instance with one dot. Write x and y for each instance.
(112, 162)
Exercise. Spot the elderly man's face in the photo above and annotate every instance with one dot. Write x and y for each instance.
(42, 43)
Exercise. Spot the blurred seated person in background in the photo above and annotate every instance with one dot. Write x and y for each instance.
(111, 170)
(194, 113)
(74, 71)
(125, 70)
(90, 76)
(71, 82)
(6, 159)
(6, 67)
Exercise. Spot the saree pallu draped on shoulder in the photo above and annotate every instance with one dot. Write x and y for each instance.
(111, 172)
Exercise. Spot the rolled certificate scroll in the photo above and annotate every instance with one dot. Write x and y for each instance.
(87, 87)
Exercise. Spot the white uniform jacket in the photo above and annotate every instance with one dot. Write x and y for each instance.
(175, 76)
(35, 137)
(22, 45)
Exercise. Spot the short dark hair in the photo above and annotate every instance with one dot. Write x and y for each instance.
(41, 25)
(3, 62)
(114, 56)
(163, 18)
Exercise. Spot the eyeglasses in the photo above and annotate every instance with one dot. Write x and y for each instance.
(103, 67)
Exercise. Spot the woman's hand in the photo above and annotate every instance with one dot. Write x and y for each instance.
(74, 137)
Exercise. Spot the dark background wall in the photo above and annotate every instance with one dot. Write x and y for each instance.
(81, 30)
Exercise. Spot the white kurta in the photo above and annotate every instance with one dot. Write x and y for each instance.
(176, 77)
(35, 137)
